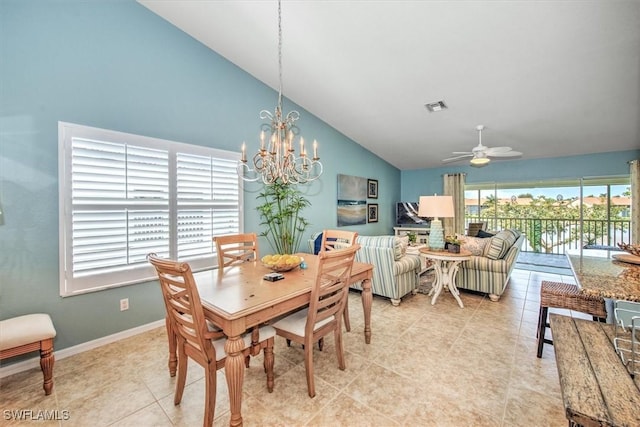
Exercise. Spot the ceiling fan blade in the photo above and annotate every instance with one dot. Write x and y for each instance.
(463, 152)
(506, 154)
(497, 150)
(455, 158)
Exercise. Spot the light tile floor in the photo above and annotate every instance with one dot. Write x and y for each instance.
(426, 366)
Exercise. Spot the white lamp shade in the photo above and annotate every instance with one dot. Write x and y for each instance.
(436, 206)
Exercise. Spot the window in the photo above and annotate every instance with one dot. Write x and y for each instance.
(123, 196)
(558, 216)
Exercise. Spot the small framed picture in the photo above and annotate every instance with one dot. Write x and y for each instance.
(372, 212)
(372, 188)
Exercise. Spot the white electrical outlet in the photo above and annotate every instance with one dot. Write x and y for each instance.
(124, 304)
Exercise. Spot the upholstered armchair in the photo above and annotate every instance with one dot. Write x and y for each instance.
(395, 273)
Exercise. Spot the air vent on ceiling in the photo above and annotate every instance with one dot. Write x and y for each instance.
(436, 106)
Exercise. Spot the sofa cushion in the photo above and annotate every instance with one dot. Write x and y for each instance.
(483, 264)
(405, 244)
(406, 264)
(475, 245)
(500, 244)
(484, 234)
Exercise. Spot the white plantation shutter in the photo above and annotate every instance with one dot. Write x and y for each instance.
(208, 202)
(123, 196)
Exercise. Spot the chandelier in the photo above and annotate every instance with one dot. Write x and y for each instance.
(276, 160)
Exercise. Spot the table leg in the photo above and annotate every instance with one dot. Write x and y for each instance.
(437, 286)
(451, 277)
(367, 299)
(234, 371)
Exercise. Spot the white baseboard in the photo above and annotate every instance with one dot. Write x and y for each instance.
(24, 365)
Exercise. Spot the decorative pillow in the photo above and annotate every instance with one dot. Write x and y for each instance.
(483, 234)
(405, 243)
(475, 245)
(397, 248)
(317, 244)
(341, 245)
(500, 244)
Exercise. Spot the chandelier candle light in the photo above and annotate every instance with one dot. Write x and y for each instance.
(437, 207)
(278, 162)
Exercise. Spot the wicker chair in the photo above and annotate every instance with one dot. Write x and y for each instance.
(474, 227)
(567, 296)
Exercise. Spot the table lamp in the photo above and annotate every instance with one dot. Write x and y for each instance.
(436, 207)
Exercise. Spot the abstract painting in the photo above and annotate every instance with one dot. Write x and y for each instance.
(352, 200)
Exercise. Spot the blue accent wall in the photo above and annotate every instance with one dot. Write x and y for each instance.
(116, 65)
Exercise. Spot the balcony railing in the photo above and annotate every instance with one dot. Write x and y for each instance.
(559, 236)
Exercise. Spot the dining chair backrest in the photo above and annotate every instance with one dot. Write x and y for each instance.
(337, 239)
(184, 309)
(329, 292)
(236, 248)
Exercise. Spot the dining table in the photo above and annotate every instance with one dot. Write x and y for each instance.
(238, 298)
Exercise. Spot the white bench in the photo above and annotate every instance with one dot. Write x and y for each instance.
(24, 334)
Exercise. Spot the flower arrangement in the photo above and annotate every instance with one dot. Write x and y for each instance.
(452, 240)
(452, 244)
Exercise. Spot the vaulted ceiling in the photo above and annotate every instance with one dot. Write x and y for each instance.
(547, 78)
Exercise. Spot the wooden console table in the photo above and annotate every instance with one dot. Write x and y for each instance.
(597, 389)
(422, 233)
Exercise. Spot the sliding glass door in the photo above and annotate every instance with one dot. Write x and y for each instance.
(559, 216)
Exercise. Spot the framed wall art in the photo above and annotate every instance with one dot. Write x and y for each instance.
(372, 188)
(372, 212)
(352, 200)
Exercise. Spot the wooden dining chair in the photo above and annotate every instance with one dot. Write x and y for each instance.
(338, 239)
(234, 248)
(324, 314)
(194, 337)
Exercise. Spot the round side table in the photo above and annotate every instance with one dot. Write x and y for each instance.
(446, 267)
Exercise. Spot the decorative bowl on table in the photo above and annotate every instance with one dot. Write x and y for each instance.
(632, 249)
(280, 263)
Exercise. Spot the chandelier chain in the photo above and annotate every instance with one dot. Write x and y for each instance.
(276, 160)
(279, 55)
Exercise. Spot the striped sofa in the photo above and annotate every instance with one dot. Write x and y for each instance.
(395, 274)
(489, 272)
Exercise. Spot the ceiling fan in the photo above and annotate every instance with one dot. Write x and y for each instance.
(481, 154)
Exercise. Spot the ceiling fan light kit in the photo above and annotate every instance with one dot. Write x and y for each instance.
(481, 154)
(479, 161)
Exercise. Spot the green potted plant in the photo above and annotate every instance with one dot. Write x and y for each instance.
(412, 237)
(281, 215)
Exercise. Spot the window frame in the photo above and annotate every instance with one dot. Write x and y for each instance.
(137, 273)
